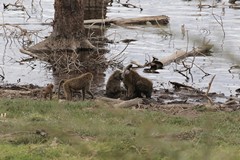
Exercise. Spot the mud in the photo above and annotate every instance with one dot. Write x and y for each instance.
(176, 102)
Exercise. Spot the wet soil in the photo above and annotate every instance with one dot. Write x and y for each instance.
(183, 101)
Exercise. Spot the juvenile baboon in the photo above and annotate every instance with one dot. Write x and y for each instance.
(42, 92)
(135, 84)
(48, 90)
(113, 87)
(82, 82)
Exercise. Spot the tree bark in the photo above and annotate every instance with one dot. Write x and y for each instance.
(68, 19)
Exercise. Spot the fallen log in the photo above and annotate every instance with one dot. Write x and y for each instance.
(160, 20)
(128, 103)
(177, 86)
(117, 103)
(179, 55)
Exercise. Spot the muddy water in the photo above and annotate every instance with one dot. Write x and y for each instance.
(151, 41)
(199, 25)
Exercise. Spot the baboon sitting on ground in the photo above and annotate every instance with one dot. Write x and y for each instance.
(113, 87)
(82, 82)
(135, 84)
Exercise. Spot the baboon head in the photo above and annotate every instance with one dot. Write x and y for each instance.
(117, 75)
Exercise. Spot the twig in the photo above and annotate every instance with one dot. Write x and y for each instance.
(29, 53)
(209, 85)
(219, 22)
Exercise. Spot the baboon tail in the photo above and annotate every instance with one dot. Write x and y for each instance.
(59, 86)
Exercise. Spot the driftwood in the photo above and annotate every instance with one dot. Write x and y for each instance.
(162, 20)
(177, 86)
(117, 103)
(179, 55)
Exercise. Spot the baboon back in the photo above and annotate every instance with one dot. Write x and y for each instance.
(113, 87)
(80, 82)
(136, 84)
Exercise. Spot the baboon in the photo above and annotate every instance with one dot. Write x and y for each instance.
(82, 82)
(113, 87)
(135, 84)
(48, 90)
(43, 92)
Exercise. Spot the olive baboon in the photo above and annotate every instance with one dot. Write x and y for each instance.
(113, 87)
(136, 84)
(82, 82)
(48, 90)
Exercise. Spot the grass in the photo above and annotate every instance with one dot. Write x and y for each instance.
(94, 130)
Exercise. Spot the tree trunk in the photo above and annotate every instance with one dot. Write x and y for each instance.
(68, 19)
(68, 29)
(95, 9)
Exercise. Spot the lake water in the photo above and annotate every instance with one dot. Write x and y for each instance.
(220, 25)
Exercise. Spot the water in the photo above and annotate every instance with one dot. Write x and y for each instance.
(151, 41)
(200, 25)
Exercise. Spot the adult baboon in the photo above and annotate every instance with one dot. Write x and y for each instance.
(113, 87)
(135, 84)
(82, 82)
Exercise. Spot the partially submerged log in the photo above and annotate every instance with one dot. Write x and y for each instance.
(179, 55)
(177, 86)
(160, 20)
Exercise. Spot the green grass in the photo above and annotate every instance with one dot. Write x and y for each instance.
(90, 130)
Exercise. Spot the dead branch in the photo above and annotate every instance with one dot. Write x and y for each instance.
(206, 6)
(129, 5)
(177, 86)
(220, 22)
(29, 53)
(206, 94)
(209, 85)
(29, 23)
(17, 6)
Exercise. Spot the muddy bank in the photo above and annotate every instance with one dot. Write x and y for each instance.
(178, 102)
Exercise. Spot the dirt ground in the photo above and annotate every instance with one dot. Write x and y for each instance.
(181, 101)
